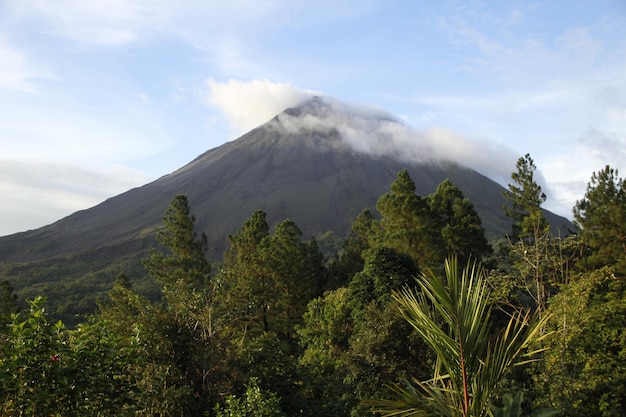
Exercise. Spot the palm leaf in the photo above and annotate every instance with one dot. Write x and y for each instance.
(453, 316)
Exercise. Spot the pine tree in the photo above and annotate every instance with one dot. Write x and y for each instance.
(601, 218)
(405, 224)
(244, 284)
(532, 247)
(461, 227)
(269, 278)
(185, 268)
(294, 271)
(525, 198)
(182, 338)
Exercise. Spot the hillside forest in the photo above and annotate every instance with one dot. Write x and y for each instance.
(416, 314)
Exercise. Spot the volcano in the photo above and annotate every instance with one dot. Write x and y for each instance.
(308, 164)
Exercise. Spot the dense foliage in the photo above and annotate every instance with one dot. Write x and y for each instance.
(398, 319)
(453, 315)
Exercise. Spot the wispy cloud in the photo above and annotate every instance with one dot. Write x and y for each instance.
(375, 132)
(574, 122)
(248, 104)
(519, 46)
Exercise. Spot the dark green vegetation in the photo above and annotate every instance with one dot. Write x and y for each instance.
(278, 329)
(453, 316)
(309, 175)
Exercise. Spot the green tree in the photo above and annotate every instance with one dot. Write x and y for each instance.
(601, 219)
(267, 281)
(269, 278)
(176, 357)
(453, 316)
(99, 370)
(355, 342)
(541, 267)
(385, 270)
(584, 371)
(245, 287)
(146, 331)
(459, 224)
(46, 369)
(176, 345)
(405, 225)
(350, 259)
(533, 251)
(255, 402)
(524, 197)
(186, 267)
(384, 350)
(294, 270)
(273, 362)
(324, 338)
(32, 366)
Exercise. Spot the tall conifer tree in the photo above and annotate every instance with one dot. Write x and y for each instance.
(294, 270)
(459, 224)
(524, 197)
(601, 218)
(245, 286)
(186, 265)
(405, 224)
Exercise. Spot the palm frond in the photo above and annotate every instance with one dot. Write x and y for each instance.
(453, 316)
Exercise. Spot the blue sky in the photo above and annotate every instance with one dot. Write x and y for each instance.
(100, 96)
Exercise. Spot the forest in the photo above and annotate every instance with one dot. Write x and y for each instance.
(417, 314)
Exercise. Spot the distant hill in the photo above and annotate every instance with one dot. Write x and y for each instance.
(295, 166)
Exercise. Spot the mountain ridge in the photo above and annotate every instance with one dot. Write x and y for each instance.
(297, 165)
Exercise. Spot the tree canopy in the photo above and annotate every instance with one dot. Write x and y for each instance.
(278, 329)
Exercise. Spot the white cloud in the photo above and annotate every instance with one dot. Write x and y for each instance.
(43, 192)
(364, 128)
(375, 132)
(248, 104)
